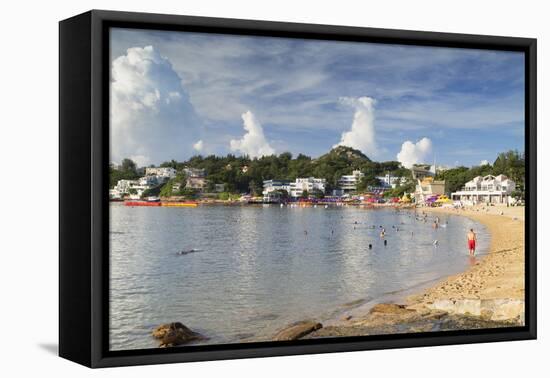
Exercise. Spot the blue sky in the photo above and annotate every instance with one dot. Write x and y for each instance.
(177, 94)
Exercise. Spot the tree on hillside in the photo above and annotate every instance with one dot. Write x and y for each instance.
(170, 164)
(167, 190)
(128, 165)
(127, 171)
(369, 180)
(455, 178)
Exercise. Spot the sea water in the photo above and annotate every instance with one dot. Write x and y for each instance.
(247, 271)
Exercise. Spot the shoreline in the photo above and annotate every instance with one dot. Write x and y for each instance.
(499, 274)
(489, 294)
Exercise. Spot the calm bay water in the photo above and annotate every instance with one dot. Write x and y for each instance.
(257, 269)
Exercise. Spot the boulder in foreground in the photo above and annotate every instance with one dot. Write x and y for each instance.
(173, 334)
(297, 330)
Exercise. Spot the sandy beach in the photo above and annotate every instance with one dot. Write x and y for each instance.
(500, 274)
(489, 294)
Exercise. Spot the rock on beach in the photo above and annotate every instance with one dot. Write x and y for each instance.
(297, 330)
(173, 334)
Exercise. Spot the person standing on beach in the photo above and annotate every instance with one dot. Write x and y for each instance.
(472, 239)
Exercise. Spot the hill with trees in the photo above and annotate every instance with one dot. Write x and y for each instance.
(241, 174)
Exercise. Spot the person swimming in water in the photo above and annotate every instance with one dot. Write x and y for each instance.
(472, 239)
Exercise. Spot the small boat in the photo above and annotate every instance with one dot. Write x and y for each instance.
(179, 204)
(141, 203)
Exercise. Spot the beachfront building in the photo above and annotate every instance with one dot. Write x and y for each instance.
(388, 181)
(348, 183)
(124, 186)
(419, 173)
(426, 188)
(309, 184)
(273, 188)
(488, 189)
(132, 188)
(114, 194)
(168, 172)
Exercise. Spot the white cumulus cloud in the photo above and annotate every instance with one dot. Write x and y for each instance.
(484, 162)
(413, 153)
(152, 118)
(362, 134)
(198, 146)
(254, 142)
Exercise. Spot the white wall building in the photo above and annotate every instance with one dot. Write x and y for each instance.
(309, 184)
(123, 186)
(295, 188)
(161, 171)
(389, 181)
(152, 181)
(272, 188)
(348, 183)
(489, 189)
(135, 188)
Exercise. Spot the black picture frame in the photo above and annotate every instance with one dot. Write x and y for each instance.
(83, 181)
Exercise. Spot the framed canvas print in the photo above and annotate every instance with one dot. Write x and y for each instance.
(234, 188)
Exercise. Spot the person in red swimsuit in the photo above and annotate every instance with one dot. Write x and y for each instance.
(472, 238)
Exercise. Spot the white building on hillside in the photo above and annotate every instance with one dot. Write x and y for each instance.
(389, 181)
(194, 172)
(152, 181)
(489, 189)
(272, 189)
(310, 184)
(348, 183)
(132, 188)
(161, 171)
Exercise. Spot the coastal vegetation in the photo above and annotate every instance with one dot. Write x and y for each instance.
(127, 170)
(510, 164)
(242, 174)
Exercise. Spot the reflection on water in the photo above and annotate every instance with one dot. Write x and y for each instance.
(255, 269)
